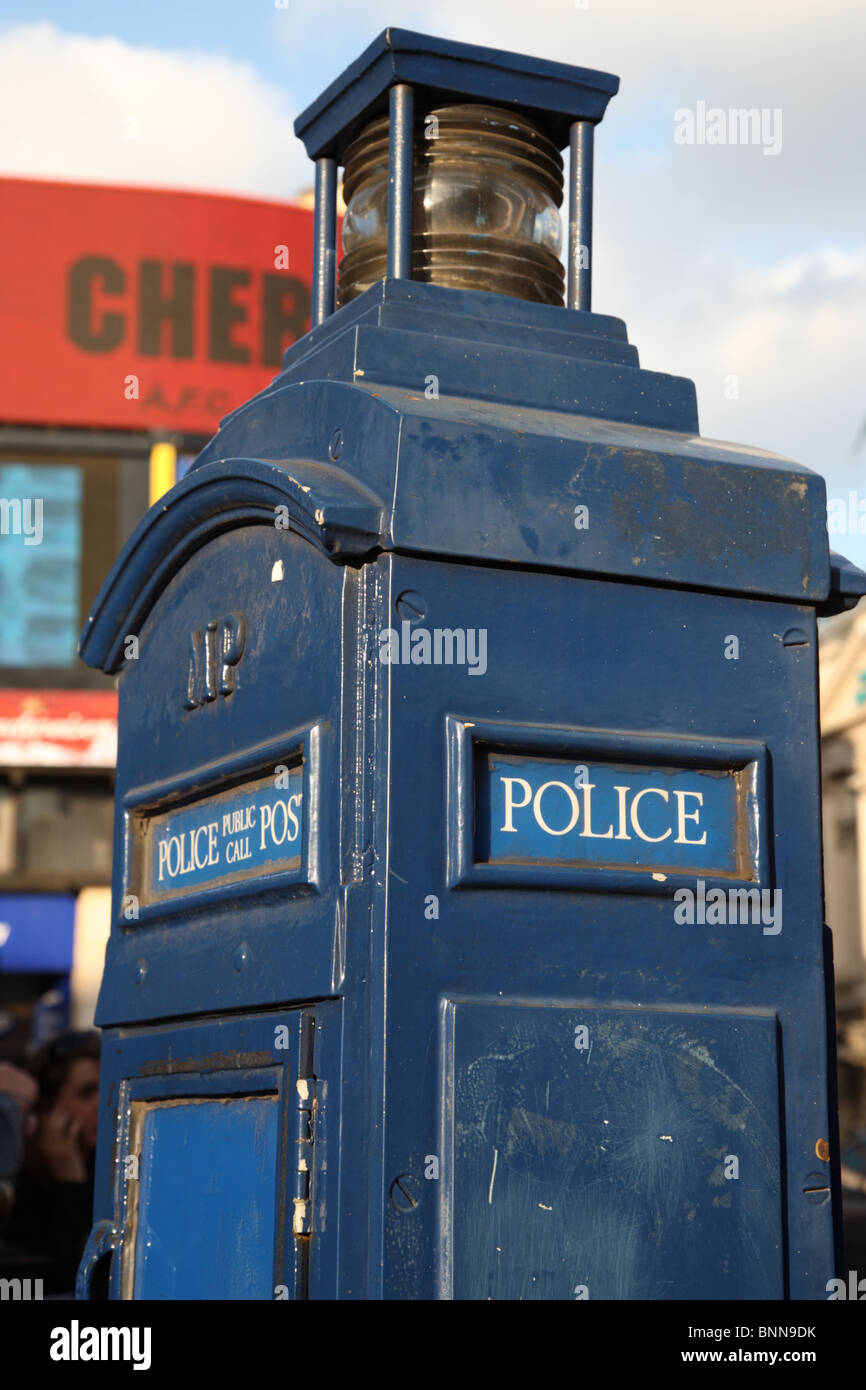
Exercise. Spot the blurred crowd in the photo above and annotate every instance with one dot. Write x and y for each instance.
(49, 1107)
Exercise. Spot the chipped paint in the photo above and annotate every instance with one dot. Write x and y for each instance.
(492, 1177)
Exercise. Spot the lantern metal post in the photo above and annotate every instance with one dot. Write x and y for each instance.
(580, 216)
(324, 240)
(400, 181)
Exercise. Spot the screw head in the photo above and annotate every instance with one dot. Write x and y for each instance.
(405, 1194)
(816, 1189)
(410, 606)
(335, 446)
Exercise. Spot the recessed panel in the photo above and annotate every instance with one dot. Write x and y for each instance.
(603, 810)
(249, 831)
(610, 1153)
(205, 1224)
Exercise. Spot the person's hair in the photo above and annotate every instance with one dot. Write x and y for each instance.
(54, 1060)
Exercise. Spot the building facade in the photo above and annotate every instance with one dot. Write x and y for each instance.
(843, 727)
(132, 320)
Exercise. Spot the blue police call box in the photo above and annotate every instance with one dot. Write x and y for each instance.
(467, 934)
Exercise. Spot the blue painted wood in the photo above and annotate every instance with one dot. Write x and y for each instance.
(207, 1230)
(421, 308)
(287, 681)
(566, 947)
(552, 94)
(338, 514)
(229, 1061)
(569, 1181)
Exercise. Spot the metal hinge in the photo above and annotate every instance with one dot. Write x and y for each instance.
(305, 1138)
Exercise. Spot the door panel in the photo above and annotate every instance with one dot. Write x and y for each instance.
(212, 1150)
(612, 1153)
(603, 679)
(205, 1217)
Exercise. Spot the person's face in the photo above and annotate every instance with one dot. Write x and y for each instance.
(79, 1097)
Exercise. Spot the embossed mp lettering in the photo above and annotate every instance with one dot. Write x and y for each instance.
(214, 653)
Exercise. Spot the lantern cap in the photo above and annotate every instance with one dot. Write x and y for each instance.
(553, 95)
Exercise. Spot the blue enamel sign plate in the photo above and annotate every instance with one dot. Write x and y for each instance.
(613, 815)
(248, 832)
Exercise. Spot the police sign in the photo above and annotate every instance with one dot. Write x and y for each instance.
(608, 813)
(555, 805)
(249, 832)
(254, 829)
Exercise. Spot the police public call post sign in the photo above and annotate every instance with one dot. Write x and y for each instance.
(647, 814)
(249, 832)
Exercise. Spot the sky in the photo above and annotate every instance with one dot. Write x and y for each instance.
(741, 264)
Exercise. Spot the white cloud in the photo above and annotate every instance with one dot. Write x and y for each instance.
(711, 304)
(102, 110)
(794, 335)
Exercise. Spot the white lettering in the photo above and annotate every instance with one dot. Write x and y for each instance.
(588, 831)
(510, 805)
(648, 791)
(174, 843)
(683, 816)
(621, 794)
(575, 808)
(199, 864)
(275, 835)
